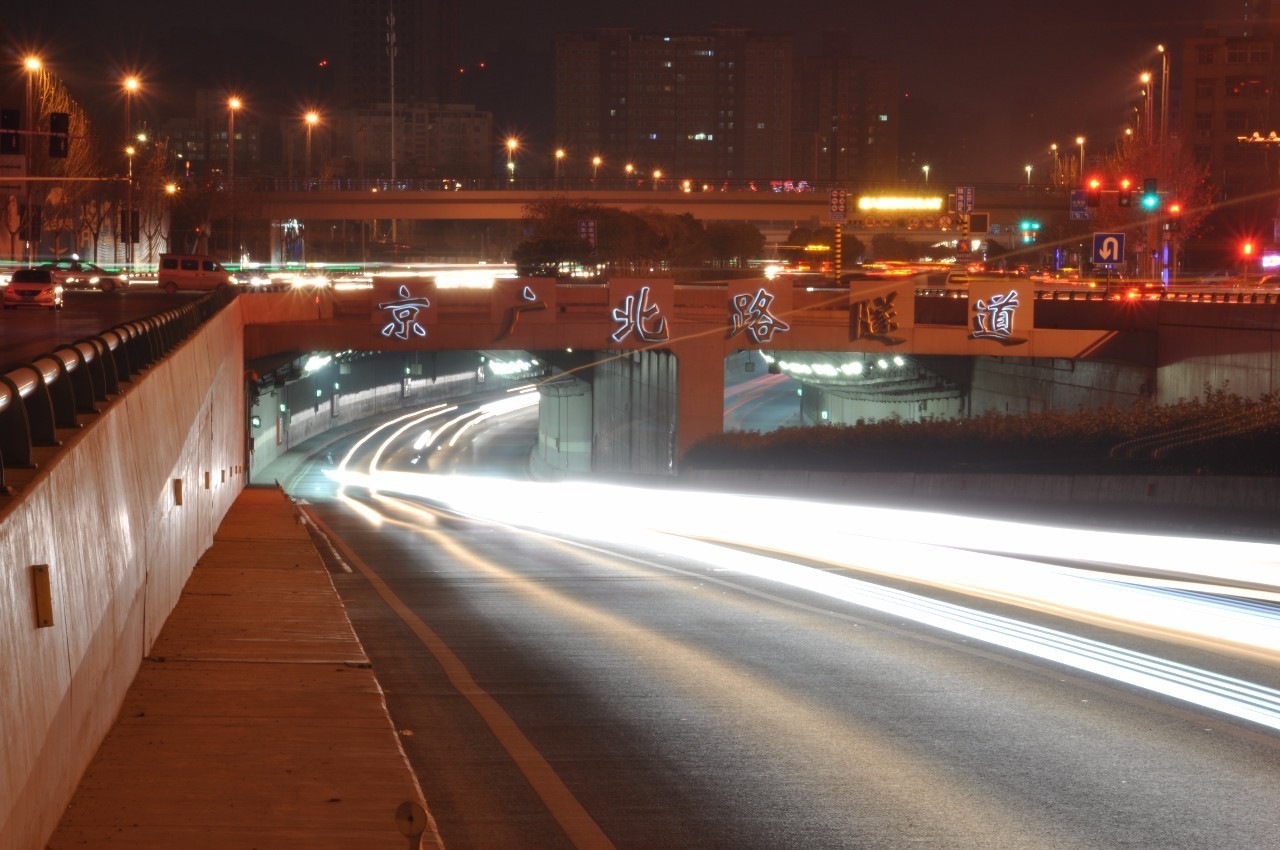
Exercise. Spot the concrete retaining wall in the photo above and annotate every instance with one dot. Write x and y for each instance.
(103, 514)
(1254, 497)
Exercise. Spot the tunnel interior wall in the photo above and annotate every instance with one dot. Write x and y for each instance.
(307, 406)
(105, 515)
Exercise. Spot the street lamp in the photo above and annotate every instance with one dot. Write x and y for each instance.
(559, 159)
(595, 167)
(32, 65)
(1080, 142)
(312, 118)
(657, 175)
(1164, 91)
(512, 144)
(1145, 79)
(925, 169)
(233, 103)
(1027, 168)
(130, 88)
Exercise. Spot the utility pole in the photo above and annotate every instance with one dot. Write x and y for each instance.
(391, 54)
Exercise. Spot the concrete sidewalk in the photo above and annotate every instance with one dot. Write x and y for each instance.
(256, 721)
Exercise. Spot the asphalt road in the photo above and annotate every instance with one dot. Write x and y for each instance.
(616, 671)
(27, 333)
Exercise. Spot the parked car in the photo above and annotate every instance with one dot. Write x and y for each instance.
(33, 288)
(74, 274)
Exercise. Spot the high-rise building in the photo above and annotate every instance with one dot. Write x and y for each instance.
(845, 115)
(1230, 104)
(710, 106)
(424, 35)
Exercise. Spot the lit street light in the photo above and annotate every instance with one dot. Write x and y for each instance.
(512, 144)
(657, 175)
(1145, 79)
(233, 103)
(312, 118)
(925, 169)
(1080, 142)
(559, 159)
(595, 167)
(32, 65)
(1027, 168)
(130, 89)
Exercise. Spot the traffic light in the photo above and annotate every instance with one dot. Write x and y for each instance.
(1246, 250)
(1150, 197)
(59, 127)
(1175, 216)
(10, 124)
(1030, 230)
(1093, 196)
(1125, 198)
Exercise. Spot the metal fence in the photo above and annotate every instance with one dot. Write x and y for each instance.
(54, 389)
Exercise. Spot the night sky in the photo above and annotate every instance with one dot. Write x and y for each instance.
(964, 66)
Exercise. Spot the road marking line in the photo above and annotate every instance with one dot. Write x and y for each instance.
(579, 826)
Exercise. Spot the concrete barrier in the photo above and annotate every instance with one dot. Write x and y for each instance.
(117, 517)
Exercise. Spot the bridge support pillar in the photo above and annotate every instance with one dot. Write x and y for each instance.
(699, 388)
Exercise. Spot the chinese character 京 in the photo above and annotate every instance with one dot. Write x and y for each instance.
(404, 315)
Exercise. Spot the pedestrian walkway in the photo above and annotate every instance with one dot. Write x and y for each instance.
(256, 721)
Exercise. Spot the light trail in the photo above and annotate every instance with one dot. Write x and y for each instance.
(997, 560)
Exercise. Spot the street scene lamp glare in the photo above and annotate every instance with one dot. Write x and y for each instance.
(31, 63)
(925, 169)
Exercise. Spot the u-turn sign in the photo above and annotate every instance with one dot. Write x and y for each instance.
(1108, 249)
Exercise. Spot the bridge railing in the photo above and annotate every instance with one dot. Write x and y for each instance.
(54, 389)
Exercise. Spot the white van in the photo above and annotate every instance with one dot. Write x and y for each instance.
(191, 271)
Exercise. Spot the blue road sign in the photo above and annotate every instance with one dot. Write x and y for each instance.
(964, 199)
(1108, 249)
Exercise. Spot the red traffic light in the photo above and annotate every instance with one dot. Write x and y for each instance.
(1247, 249)
(1125, 183)
(1175, 208)
(1095, 184)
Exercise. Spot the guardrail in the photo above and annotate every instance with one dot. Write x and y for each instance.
(54, 389)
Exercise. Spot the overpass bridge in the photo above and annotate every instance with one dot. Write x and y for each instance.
(125, 450)
(343, 200)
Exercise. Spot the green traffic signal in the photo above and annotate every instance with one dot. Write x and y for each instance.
(1150, 202)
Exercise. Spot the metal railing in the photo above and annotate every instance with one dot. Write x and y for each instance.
(54, 389)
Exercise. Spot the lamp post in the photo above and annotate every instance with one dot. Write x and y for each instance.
(559, 159)
(233, 104)
(925, 169)
(130, 88)
(32, 65)
(311, 118)
(1057, 166)
(595, 168)
(1080, 142)
(512, 144)
(1145, 79)
(1164, 91)
(1027, 168)
(657, 175)
(630, 169)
